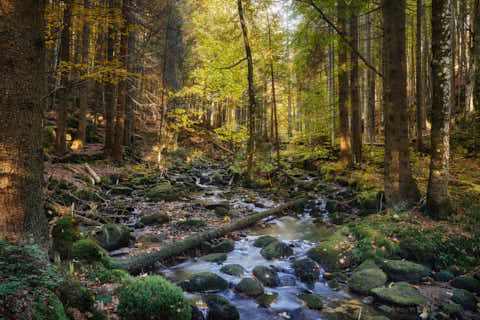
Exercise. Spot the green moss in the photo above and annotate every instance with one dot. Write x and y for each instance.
(113, 276)
(64, 234)
(276, 250)
(250, 287)
(74, 294)
(204, 282)
(191, 224)
(331, 254)
(87, 250)
(402, 294)
(266, 299)
(263, 241)
(312, 300)
(215, 257)
(152, 298)
(156, 218)
(233, 270)
(47, 306)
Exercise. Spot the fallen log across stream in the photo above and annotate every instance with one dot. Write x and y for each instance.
(137, 263)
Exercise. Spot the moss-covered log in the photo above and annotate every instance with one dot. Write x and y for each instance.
(137, 263)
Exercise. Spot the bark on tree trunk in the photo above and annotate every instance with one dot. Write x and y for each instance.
(66, 92)
(110, 104)
(419, 74)
(251, 92)
(21, 86)
(400, 188)
(343, 88)
(476, 57)
(371, 87)
(355, 92)
(438, 203)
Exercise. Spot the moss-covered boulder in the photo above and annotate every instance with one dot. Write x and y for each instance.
(64, 234)
(215, 257)
(364, 280)
(164, 191)
(466, 283)
(222, 212)
(113, 236)
(155, 219)
(401, 294)
(443, 276)
(224, 246)
(267, 299)
(331, 254)
(267, 276)
(399, 270)
(219, 308)
(464, 298)
(190, 224)
(113, 276)
(250, 287)
(47, 306)
(276, 250)
(214, 205)
(75, 295)
(152, 298)
(263, 241)
(233, 270)
(453, 310)
(87, 250)
(307, 270)
(204, 282)
(312, 301)
(121, 190)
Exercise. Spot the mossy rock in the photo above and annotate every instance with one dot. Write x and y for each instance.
(398, 270)
(401, 294)
(204, 282)
(267, 299)
(465, 298)
(219, 308)
(47, 306)
(121, 190)
(113, 236)
(263, 241)
(224, 246)
(214, 205)
(364, 280)
(215, 257)
(307, 270)
(251, 287)
(153, 298)
(454, 310)
(75, 295)
(113, 276)
(155, 219)
(367, 264)
(443, 276)
(467, 283)
(222, 212)
(313, 301)
(64, 234)
(235, 270)
(267, 276)
(330, 253)
(87, 250)
(164, 191)
(191, 224)
(276, 250)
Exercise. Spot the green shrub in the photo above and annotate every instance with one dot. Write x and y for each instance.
(113, 276)
(47, 306)
(64, 234)
(24, 267)
(152, 298)
(87, 250)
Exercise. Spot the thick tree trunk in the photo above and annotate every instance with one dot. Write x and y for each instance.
(110, 104)
(21, 85)
(343, 88)
(132, 83)
(84, 88)
(400, 188)
(122, 87)
(355, 92)
(66, 92)
(419, 73)
(438, 203)
(476, 57)
(252, 105)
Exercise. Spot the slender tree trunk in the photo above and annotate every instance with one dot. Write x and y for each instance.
(355, 93)
(463, 56)
(438, 203)
(289, 92)
(132, 83)
(66, 92)
(84, 88)
(371, 86)
(476, 56)
(163, 96)
(343, 88)
(331, 86)
(110, 104)
(400, 188)
(21, 85)
(419, 74)
(251, 92)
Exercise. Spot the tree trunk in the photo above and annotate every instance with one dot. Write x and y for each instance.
(400, 188)
(419, 74)
(84, 88)
(343, 88)
(251, 92)
(21, 85)
(438, 203)
(132, 83)
(371, 86)
(122, 87)
(66, 92)
(331, 86)
(110, 104)
(476, 56)
(355, 92)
